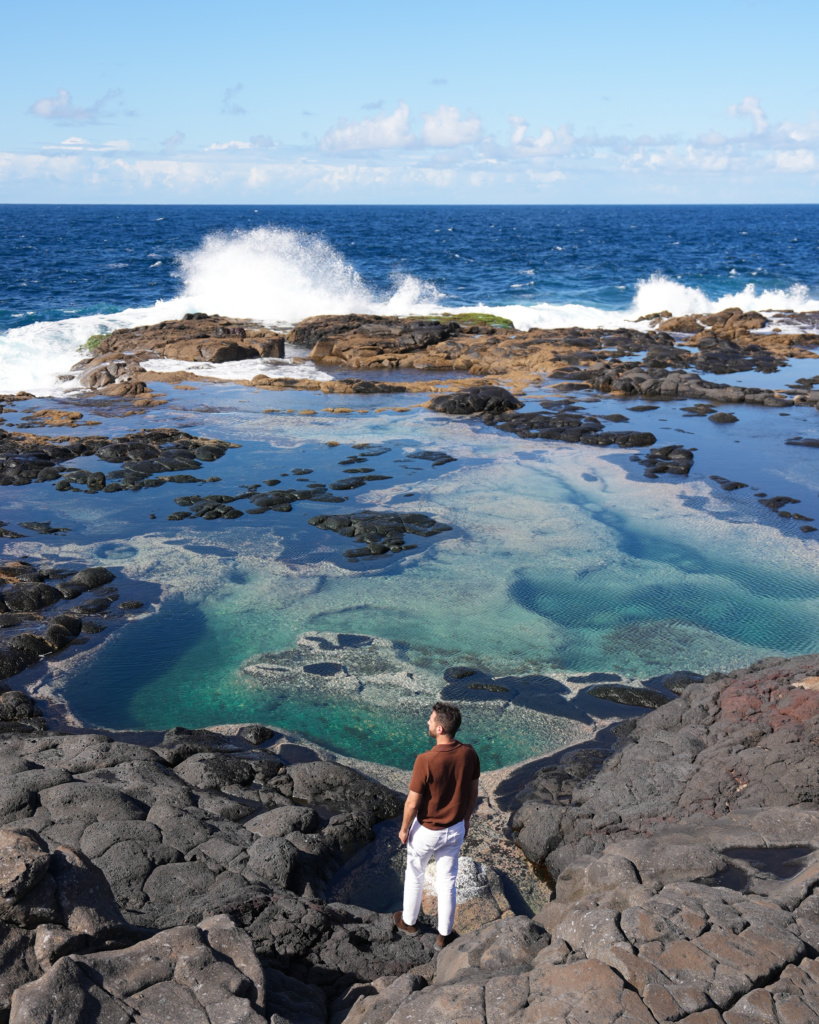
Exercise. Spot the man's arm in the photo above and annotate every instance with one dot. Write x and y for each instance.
(470, 805)
(410, 807)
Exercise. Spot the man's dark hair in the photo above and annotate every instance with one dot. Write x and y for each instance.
(449, 717)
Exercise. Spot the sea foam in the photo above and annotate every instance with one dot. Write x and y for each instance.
(280, 276)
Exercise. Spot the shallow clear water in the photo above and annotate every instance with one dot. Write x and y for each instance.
(562, 562)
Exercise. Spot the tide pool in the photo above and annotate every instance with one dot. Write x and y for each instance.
(561, 562)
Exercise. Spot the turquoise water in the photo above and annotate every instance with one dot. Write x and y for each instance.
(561, 562)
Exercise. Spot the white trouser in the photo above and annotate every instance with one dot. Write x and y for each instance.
(421, 845)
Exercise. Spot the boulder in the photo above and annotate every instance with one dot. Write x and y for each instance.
(188, 974)
(483, 399)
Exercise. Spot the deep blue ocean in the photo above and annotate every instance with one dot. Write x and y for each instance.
(543, 265)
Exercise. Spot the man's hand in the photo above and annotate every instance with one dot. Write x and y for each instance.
(473, 799)
(410, 807)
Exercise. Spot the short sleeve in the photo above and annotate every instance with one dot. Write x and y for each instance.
(418, 781)
(476, 766)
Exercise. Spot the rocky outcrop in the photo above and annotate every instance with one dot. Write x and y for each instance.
(714, 750)
(53, 902)
(686, 876)
(484, 399)
(117, 358)
(44, 611)
(197, 974)
(714, 343)
(379, 533)
(185, 880)
(30, 458)
(656, 383)
(198, 826)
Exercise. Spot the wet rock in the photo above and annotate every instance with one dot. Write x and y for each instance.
(634, 696)
(558, 424)
(15, 659)
(30, 597)
(381, 532)
(18, 707)
(728, 485)
(672, 458)
(475, 400)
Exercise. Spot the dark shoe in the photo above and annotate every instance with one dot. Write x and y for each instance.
(443, 940)
(410, 929)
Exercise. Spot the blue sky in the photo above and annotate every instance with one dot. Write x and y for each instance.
(447, 102)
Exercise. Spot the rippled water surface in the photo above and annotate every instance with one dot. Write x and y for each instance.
(562, 561)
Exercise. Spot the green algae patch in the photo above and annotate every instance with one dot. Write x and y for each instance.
(483, 319)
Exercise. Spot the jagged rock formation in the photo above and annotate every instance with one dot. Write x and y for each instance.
(184, 881)
(117, 358)
(686, 873)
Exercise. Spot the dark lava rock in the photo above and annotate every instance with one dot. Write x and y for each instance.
(381, 532)
(70, 622)
(481, 399)
(15, 659)
(18, 707)
(728, 485)
(560, 425)
(804, 442)
(436, 458)
(634, 696)
(90, 579)
(677, 681)
(671, 458)
(30, 597)
(775, 504)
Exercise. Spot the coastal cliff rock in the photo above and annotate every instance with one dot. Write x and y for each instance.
(714, 343)
(115, 360)
(686, 870)
(185, 880)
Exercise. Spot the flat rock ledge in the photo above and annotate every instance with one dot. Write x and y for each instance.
(184, 881)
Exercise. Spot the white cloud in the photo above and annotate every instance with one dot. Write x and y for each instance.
(544, 178)
(750, 107)
(76, 144)
(546, 142)
(446, 128)
(61, 107)
(519, 133)
(387, 131)
(795, 160)
(229, 145)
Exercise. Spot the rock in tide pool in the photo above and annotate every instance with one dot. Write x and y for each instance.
(484, 399)
(381, 532)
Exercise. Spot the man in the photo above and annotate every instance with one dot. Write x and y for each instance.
(442, 796)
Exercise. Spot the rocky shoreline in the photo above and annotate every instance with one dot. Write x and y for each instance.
(183, 877)
(189, 875)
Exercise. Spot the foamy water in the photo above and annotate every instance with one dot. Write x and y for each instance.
(280, 276)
